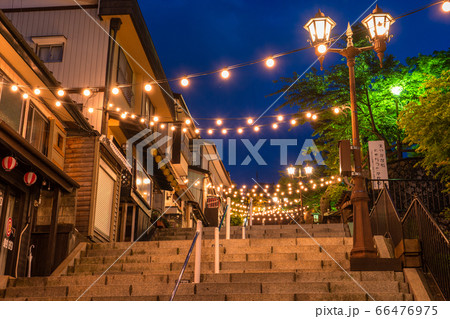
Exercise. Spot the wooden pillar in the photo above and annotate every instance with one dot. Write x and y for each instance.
(123, 223)
(51, 248)
(133, 222)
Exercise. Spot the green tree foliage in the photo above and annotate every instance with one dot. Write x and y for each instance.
(426, 123)
(318, 92)
(236, 220)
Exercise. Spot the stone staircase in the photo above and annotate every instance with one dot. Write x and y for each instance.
(267, 231)
(275, 263)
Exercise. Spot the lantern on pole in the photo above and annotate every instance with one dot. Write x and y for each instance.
(319, 29)
(29, 178)
(378, 24)
(9, 163)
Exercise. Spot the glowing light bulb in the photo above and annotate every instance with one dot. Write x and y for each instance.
(115, 91)
(188, 121)
(219, 122)
(336, 110)
(60, 93)
(14, 88)
(152, 123)
(279, 118)
(293, 122)
(155, 118)
(184, 130)
(322, 48)
(58, 104)
(240, 131)
(117, 109)
(86, 92)
(256, 128)
(133, 116)
(224, 131)
(142, 120)
(25, 96)
(446, 6)
(197, 131)
(163, 125)
(250, 121)
(172, 128)
(225, 74)
(314, 117)
(210, 131)
(148, 87)
(275, 125)
(308, 115)
(185, 82)
(37, 91)
(270, 62)
(91, 110)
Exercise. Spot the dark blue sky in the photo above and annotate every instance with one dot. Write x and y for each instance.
(203, 35)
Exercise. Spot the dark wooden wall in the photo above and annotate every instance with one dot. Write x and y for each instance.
(81, 157)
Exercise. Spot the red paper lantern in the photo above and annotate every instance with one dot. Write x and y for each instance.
(29, 178)
(9, 163)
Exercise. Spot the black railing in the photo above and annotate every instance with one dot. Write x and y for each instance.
(403, 192)
(384, 218)
(183, 269)
(419, 224)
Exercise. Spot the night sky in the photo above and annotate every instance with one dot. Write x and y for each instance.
(197, 36)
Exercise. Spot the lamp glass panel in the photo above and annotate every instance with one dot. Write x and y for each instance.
(371, 27)
(380, 26)
(320, 29)
(327, 31)
(312, 32)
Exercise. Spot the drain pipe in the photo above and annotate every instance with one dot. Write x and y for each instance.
(18, 249)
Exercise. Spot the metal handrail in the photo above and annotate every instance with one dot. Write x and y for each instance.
(223, 217)
(175, 289)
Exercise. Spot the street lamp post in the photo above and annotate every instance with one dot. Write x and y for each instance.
(291, 173)
(378, 24)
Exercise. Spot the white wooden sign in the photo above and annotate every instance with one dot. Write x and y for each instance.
(378, 163)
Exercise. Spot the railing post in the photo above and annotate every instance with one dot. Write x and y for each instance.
(216, 250)
(243, 232)
(198, 253)
(228, 218)
(250, 221)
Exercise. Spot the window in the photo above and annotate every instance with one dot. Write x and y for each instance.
(125, 76)
(148, 110)
(50, 53)
(11, 107)
(38, 129)
(143, 183)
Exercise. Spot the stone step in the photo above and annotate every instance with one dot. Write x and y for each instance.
(158, 289)
(210, 256)
(299, 276)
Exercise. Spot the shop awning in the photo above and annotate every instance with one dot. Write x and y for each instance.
(22, 148)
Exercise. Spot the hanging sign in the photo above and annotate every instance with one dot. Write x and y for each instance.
(8, 241)
(9, 227)
(378, 164)
(212, 202)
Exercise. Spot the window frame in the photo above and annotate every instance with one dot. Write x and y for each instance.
(32, 110)
(127, 91)
(50, 46)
